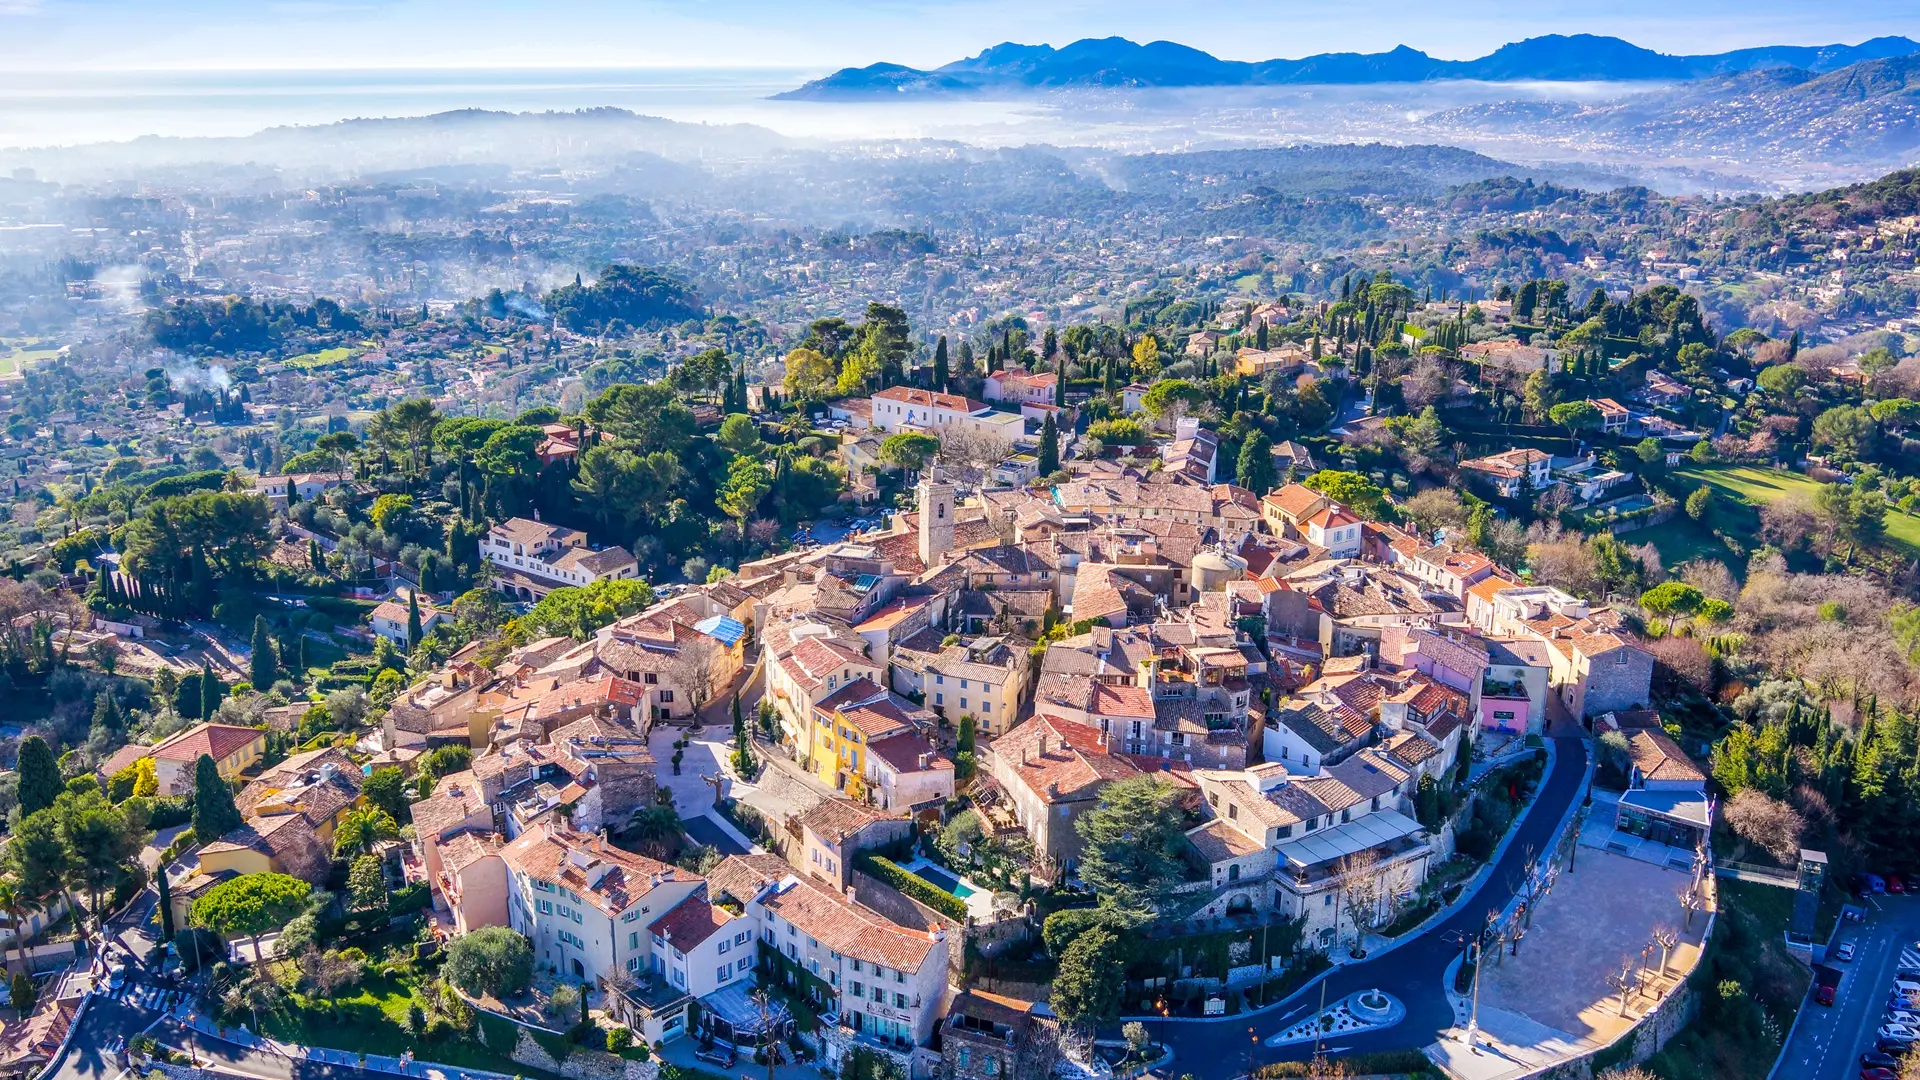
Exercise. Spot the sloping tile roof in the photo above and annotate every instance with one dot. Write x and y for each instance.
(220, 741)
(849, 928)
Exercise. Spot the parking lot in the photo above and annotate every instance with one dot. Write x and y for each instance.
(1827, 1042)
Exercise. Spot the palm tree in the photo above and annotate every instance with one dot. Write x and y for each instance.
(15, 904)
(654, 830)
(361, 829)
(254, 994)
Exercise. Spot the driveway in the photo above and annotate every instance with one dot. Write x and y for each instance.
(1826, 1043)
(1414, 972)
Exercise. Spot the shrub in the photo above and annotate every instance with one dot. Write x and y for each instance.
(914, 886)
(619, 1039)
(409, 898)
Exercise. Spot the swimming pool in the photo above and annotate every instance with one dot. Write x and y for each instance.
(944, 880)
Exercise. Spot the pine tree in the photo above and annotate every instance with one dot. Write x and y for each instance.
(1049, 447)
(261, 667)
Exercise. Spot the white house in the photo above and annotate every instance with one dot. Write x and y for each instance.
(906, 408)
(1508, 470)
(592, 910)
(533, 558)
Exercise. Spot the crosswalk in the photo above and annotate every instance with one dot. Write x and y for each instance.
(147, 996)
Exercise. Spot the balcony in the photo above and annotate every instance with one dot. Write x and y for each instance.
(1494, 688)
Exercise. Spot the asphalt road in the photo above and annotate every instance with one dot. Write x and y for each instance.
(1414, 972)
(1827, 1042)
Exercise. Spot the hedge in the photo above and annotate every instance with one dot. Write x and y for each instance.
(1391, 1062)
(914, 885)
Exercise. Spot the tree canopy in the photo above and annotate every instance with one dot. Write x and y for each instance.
(1135, 843)
(491, 960)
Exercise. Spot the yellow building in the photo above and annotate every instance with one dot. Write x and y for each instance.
(846, 723)
(321, 785)
(282, 844)
(234, 750)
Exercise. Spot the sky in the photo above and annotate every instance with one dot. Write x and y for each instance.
(65, 35)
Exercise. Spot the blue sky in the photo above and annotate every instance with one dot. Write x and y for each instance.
(820, 34)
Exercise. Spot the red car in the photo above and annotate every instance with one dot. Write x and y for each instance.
(1894, 884)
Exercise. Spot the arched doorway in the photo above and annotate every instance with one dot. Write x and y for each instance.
(578, 971)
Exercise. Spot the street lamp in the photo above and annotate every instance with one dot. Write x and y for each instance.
(1252, 1041)
(1161, 1005)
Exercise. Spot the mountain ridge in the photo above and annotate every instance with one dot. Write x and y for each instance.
(1116, 62)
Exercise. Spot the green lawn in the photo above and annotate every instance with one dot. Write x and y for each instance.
(1760, 486)
(323, 358)
(373, 1019)
(1682, 539)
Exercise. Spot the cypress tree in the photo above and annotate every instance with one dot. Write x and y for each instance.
(166, 903)
(1049, 447)
(210, 690)
(261, 667)
(316, 556)
(413, 620)
(214, 814)
(106, 715)
(940, 365)
(40, 782)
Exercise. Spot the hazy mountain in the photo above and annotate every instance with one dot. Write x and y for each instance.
(409, 144)
(1118, 62)
(1867, 113)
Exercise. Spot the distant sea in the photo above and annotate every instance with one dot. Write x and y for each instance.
(71, 108)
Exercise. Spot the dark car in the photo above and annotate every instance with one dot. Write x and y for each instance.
(1894, 884)
(1874, 1059)
(1897, 1047)
(1878, 1074)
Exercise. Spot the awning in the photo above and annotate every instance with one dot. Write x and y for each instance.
(1688, 807)
(1329, 845)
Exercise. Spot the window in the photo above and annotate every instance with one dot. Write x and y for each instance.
(963, 703)
(856, 989)
(941, 679)
(543, 886)
(899, 1000)
(723, 972)
(1233, 872)
(633, 940)
(900, 977)
(725, 947)
(965, 1056)
(963, 684)
(666, 696)
(939, 699)
(1233, 812)
(856, 965)
(651, 679)
(546, 907)
(741, 937)
(1312, 824)
(991, 1066)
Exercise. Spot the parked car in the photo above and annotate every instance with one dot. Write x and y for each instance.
(1874, 1059)
(1896, 1047)
(1844, 951)
(1878, 1072)
(1904, 1017)
(1899, 1031)
(1894, 884)
(1875, 883)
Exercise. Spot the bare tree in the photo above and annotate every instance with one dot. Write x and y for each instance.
(1360, 890)
(1766, 822)
(1690, 903)
(1623, 982)
(1667, 940)
(967, 454)
(689, 669)
(1528, 884)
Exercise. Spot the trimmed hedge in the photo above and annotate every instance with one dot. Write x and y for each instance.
(914, 885)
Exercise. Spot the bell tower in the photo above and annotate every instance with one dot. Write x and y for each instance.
(936, 520)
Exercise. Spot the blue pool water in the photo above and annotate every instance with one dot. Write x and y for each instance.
(944, 880)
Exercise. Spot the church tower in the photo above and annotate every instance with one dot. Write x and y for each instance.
(936, 520)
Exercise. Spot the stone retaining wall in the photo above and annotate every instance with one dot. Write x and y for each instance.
(582, 1063)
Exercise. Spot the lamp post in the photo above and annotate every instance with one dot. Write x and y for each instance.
(1161, 1005)
(1253, 1040)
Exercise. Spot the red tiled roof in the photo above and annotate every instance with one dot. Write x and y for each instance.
(219, 741)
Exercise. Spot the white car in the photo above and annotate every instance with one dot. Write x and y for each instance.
(1844, 951)
(1899, 1031)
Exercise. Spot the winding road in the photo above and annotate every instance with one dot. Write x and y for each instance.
(1413, 972)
